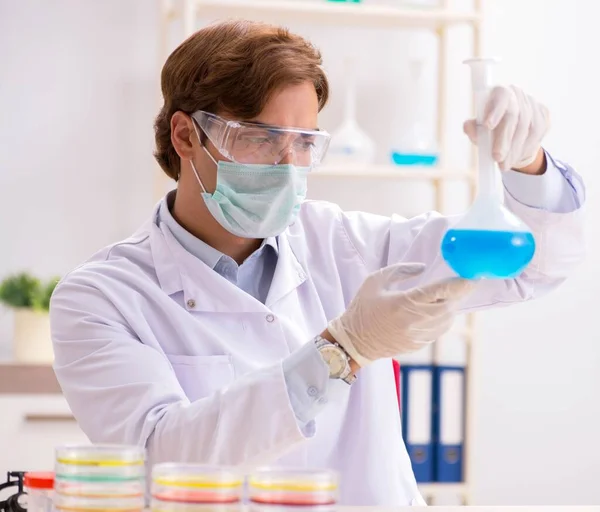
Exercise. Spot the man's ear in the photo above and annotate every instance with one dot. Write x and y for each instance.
(183, 135)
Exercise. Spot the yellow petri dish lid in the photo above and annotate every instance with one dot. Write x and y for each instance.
(294, 480)
(195, 476)
(104, 455)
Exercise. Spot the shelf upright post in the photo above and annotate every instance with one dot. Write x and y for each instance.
(189, 17)
(442, 115)
(471, 346)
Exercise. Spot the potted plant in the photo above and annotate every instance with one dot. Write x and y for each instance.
(29, 298)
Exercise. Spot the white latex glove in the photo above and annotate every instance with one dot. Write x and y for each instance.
(383, 321)
(518, 123)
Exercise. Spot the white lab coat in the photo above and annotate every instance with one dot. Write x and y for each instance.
(153, 347)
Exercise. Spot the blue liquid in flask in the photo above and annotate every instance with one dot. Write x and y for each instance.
(479, 253)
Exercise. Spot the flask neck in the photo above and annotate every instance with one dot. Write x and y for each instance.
(488, 186)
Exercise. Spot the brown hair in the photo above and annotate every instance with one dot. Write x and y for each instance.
(233, 67)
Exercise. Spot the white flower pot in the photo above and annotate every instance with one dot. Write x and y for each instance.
(32, 342)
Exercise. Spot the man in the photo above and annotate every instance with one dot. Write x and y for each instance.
(245, 326)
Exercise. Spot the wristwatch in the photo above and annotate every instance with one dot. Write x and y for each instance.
(336, 358)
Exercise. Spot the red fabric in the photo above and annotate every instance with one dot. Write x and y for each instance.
(397, 379)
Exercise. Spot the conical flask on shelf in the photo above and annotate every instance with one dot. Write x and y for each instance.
(350, 144)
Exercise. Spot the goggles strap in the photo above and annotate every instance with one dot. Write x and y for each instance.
(209, 155)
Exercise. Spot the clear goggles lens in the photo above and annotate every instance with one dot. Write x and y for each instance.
(253, 143)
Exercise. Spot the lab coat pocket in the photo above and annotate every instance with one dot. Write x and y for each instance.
(201, 376)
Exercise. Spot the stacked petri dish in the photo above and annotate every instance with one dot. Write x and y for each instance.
(283, 489)
(99, 477)
(193, 487)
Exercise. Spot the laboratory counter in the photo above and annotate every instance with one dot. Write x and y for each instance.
(548, 508)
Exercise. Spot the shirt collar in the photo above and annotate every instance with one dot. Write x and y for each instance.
(201, 250)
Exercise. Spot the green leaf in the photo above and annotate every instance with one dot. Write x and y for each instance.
(18, 290)
(26, 291)
(41, 298)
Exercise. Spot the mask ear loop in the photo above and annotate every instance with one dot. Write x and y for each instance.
(206, 151)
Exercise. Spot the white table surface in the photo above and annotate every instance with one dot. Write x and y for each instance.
(477, 509)
(474, 509)
(462, 509)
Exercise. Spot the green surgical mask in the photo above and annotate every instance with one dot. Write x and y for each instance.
(253, 200)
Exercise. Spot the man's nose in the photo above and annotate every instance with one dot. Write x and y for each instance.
(287, 156)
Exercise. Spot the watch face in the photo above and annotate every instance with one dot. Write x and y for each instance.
(335, 359)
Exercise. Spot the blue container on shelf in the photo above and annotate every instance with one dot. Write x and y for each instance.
(410, 158)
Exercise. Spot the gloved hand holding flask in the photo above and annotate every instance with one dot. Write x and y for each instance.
(384, 320)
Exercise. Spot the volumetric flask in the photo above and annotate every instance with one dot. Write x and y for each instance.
(195, 488)
(283, 489)
(489, 241)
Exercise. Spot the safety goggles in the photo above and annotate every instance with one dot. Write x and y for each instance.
(256, 143)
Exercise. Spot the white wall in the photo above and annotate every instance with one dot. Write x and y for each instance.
(77, 99)
(538, 380)
(78, 96)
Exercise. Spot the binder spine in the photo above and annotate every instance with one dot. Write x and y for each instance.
(416, 391)
(449, 389)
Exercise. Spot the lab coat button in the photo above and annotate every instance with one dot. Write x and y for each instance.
(191, 303)
(322, 400)
(312, 391)
(270, 318)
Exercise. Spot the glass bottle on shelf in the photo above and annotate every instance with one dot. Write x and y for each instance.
(350, 144)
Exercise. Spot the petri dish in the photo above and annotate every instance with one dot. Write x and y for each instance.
(291, 487)
(173, 506)
(101, 455)
(103, 503)
(99, 463)
(97, 488)
(189, 486)
(99, 478)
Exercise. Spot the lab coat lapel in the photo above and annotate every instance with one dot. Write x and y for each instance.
(288, 275)
(202, 287)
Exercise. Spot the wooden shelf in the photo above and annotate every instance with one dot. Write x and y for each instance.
(332, 14)
(391, 172)
(28, 379)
